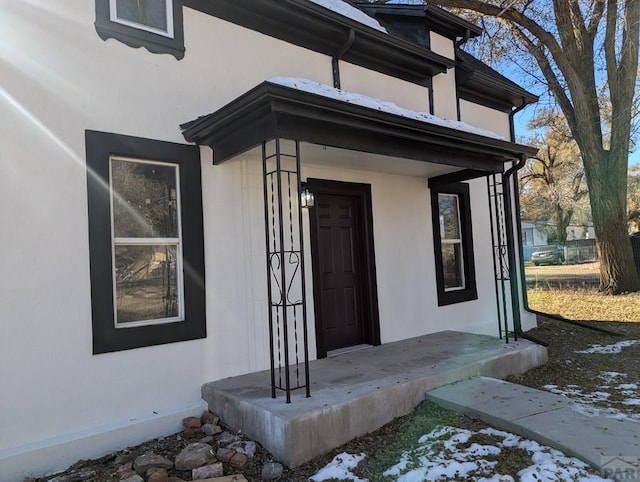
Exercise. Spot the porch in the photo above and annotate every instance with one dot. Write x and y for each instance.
(356, 392)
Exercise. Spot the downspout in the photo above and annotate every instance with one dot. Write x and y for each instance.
(463, 40)
(335, 60)
(511, 242)
(511, 256)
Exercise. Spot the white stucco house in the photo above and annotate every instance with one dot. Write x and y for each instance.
(154, 159)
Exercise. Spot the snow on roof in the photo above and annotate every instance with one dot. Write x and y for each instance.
(351, 12)
(312, 87)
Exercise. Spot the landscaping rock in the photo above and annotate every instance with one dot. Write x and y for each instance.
(226, 438)
(175, 479)
(151, 460)
(271, 471)
(123, 458)
(247, 447)
(157, 475)
(224, 454)
(208, 417)
(194, 455)
(208, 471)
(191, 422)
(206, 440)
(125, 469)
(210, 429)
(239, 460)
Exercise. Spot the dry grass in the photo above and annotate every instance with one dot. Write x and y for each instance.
(585, 304)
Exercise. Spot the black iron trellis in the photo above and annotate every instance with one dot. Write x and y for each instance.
(286, 289)
(495, 190)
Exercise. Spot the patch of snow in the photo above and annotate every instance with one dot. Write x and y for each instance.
(340, 468)
(349, 11)
(608, 377)
(627, 386)
(441, 454)
(362, 100)
(584, 402)
(608, 349)
(404, 2)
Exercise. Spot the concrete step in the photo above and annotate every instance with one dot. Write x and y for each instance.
(358, 392)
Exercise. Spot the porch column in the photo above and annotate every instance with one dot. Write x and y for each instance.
(286, 289)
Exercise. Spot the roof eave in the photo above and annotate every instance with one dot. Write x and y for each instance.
(311, 26)
(271, 110)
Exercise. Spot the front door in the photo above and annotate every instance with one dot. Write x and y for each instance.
(342, 266)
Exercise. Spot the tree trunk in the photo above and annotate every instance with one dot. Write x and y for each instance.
(607, 192)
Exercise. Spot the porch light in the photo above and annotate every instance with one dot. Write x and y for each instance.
(306, 198)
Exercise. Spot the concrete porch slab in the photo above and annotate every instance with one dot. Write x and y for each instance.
(357, 392)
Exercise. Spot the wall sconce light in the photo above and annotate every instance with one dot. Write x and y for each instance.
(306, 198)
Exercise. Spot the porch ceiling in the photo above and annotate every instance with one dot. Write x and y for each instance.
(272, 110)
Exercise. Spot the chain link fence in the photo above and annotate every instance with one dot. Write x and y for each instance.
(570, 287)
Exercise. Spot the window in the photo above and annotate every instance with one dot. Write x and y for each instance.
(145, 240)
(453, 244)
(153, 24)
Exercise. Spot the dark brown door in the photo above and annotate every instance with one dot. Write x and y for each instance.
(344, 270)
(340, 277)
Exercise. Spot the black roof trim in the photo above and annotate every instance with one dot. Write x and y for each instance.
(436, 19)
(314, 27)
(271, 110)
(479, 83)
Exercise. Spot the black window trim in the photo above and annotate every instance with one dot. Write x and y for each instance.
(100, 147)
(137, 37)
(470, 291)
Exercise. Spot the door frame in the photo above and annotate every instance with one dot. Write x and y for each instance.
(371, 315)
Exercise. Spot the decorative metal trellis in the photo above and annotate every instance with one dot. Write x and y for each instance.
(285, 267)
(499, 242)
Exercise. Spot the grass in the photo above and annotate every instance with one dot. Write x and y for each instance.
(585, 304)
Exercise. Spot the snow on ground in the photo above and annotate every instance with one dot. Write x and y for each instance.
(351, 12)
(445, 454)
(615, 348)
(324, 90)
(340, 468)
(612, 384)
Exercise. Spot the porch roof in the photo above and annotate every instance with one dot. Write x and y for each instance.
(274, 110)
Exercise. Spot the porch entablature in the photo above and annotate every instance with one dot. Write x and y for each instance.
(319, 116)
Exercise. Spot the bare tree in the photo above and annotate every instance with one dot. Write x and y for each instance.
(578, 46)
(553, 188)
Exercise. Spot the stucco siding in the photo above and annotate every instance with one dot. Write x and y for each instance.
(374, 84)
(485, 117)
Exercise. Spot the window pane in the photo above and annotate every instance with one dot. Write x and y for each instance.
(144, 200)
(152, 13)
(146, 283)
(452, 265)
(448, 209)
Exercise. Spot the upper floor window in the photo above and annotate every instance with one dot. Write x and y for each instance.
(453, 244)
(153, 24)
(153, 15)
